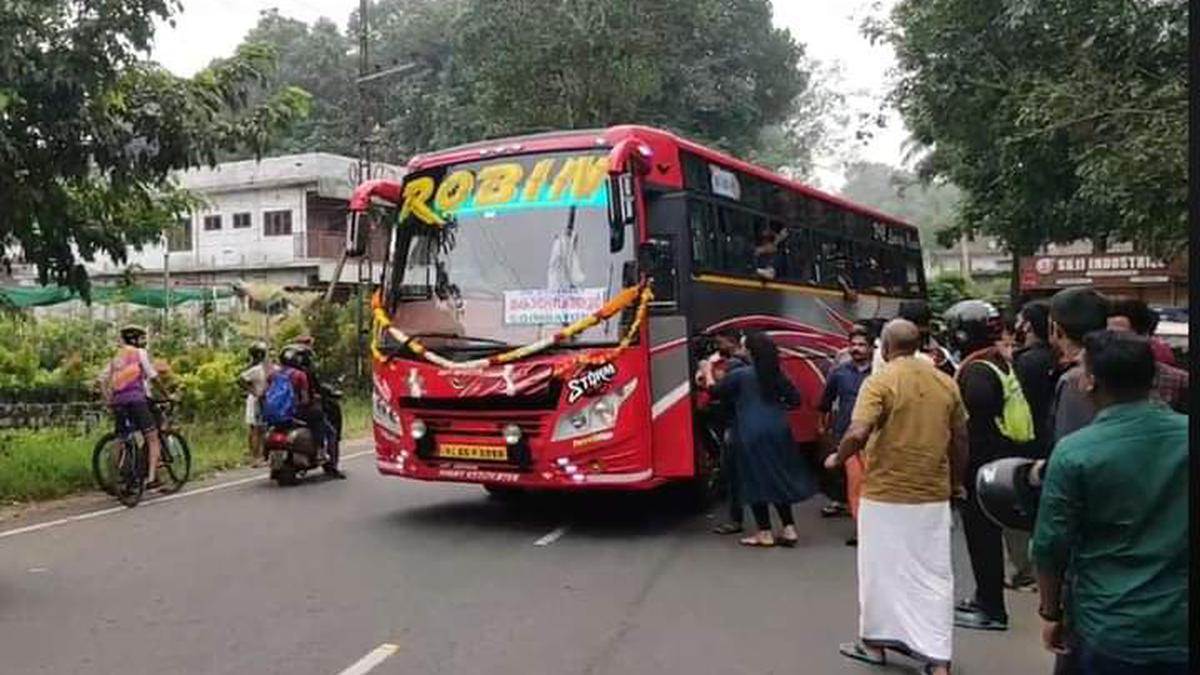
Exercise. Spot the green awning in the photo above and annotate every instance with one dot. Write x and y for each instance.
(23, 297)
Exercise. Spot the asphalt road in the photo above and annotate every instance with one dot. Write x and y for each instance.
(331, 577)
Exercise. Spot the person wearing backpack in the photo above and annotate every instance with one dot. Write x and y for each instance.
(999, 425)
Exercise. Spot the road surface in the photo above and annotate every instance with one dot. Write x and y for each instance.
(387, 576)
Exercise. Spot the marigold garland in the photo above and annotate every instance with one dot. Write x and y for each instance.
(611, 308)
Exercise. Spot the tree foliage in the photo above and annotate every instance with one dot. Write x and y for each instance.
(1059, 119)
(91, 134)
(714, 70)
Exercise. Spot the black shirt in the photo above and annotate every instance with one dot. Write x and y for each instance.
(1037, 372)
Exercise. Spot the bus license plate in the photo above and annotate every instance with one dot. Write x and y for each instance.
(486, 453)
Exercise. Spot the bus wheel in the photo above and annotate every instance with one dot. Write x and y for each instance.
(503, 493)
(708, 485)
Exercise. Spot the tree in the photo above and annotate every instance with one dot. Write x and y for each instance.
(316, 59)
(715, 70)
(1059, 119)
(91, 135)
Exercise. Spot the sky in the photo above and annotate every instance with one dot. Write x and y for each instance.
(207, 29)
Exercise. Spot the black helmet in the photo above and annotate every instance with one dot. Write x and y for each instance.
(1005, 495)
(304, 355)
(258, 351)
(971, 325)
(290, 357)
(132, 334)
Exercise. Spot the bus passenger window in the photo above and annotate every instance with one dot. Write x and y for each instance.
(737, 244)
(868, 267)
(798, 256)
(833, 259)
(702, 223)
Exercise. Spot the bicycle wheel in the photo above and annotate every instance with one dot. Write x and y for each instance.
(177, 460)
(132, 478)
(106, 459)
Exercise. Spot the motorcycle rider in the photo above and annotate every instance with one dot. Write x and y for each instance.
(323, 417)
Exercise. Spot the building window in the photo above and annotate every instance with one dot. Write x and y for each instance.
(241, 221)
(212, 222)
(277, 223)
(179, 238)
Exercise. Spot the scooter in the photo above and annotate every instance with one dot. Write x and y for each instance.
(292, 450)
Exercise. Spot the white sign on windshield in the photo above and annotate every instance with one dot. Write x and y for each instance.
(538, 307)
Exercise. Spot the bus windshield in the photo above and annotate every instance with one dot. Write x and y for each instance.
(523, 252)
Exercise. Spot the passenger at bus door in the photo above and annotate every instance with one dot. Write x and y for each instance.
(718, 419)
(771, 470)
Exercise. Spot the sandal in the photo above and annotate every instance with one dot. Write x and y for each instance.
(756, 542)
(727, 528)
(856, 651)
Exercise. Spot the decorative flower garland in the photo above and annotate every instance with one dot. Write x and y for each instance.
(614, 306)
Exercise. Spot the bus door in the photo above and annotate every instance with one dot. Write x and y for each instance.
(671, 355)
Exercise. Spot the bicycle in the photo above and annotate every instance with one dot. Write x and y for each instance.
(122, 473)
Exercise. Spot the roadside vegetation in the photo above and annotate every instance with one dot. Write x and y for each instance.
(55, 361)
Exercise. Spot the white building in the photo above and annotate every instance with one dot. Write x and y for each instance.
(281, 220)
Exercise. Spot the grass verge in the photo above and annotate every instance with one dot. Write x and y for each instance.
(52, 463)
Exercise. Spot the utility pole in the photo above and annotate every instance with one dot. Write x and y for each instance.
(364, 173)
(166, 282)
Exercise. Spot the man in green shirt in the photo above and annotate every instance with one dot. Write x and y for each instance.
(1114, 514)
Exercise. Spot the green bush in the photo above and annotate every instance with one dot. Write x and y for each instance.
(210, 391)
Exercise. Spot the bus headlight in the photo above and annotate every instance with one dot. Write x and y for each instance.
(598, 415)
(512, 434)
(418, 430)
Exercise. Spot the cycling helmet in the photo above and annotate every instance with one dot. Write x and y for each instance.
(132, 334)
(1005, 495)
(972, 325)
(258, 351)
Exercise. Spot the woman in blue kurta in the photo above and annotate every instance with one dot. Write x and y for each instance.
(771, 469)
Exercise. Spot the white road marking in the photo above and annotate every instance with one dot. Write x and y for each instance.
(551, 537)
(37, 570)
(36, 527)
(374, 658)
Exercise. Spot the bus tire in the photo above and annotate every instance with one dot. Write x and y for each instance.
(707, 487)
(503, 493)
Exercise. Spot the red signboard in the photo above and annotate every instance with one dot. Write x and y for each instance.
(1100, 270)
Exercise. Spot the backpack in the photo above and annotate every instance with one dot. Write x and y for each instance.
(1016, 420)
(125, 371)
(279, 401)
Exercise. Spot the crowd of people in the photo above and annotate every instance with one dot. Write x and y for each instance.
(1075, 386)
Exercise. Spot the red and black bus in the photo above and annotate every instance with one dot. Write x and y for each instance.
(538, 318)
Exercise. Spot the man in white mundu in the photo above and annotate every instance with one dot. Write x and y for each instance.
(909, 423)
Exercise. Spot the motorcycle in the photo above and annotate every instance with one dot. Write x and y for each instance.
(292, 450)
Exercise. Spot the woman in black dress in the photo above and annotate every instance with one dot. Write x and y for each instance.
(771, 470)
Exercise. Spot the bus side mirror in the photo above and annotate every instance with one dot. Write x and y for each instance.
(621, 209)
(358, 232)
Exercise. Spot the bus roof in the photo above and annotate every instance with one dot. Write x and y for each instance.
(583, 138)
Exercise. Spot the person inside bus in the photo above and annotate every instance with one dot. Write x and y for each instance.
(718, 416)
(766, 251)
(770, 470)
